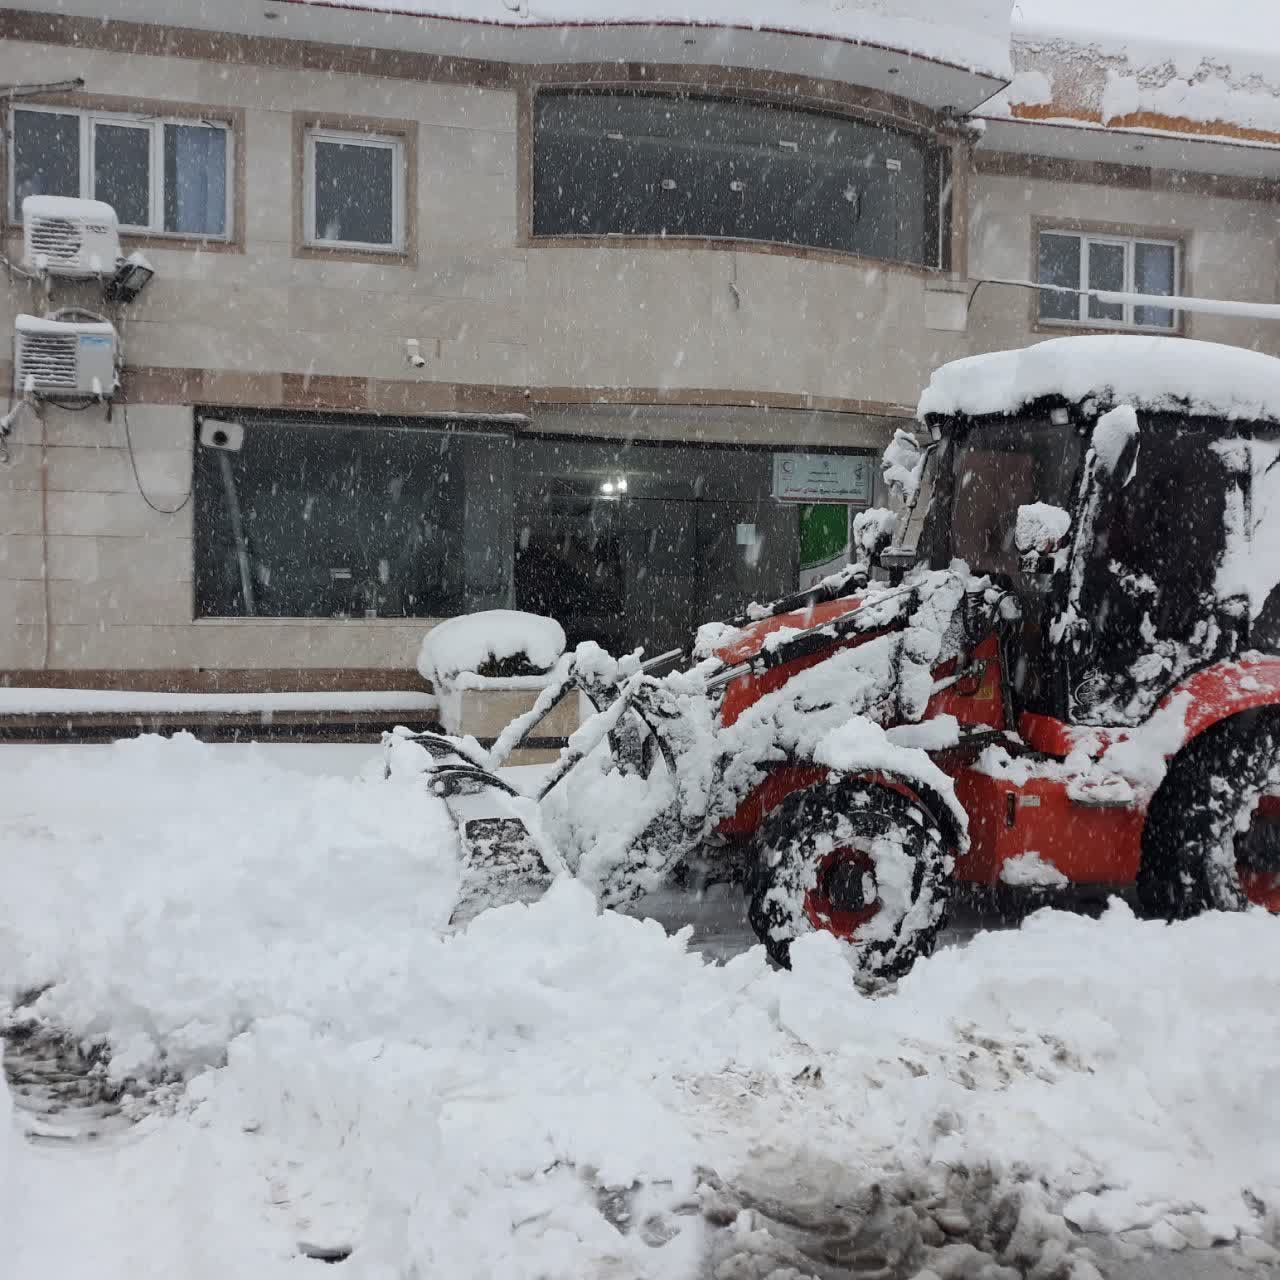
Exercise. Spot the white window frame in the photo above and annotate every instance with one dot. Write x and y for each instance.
(1083, 320)
(88, 119)
(394, 143)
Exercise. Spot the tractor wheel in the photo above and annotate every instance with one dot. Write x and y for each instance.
(858, 860)
(1212, 837)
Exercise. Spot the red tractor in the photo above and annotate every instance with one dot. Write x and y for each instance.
(1064, 669)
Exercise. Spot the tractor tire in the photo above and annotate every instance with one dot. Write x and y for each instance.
(814, 853)
(1197, 838)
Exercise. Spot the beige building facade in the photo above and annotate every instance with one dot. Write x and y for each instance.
(542, 348)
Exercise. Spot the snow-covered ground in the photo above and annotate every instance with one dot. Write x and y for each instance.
(559, 1092)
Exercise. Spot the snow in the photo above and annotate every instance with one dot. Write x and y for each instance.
(862, 747)
(1143, 753)
(469, 643)
(38, 324)
(937, 733)
(872, 530)
(1149, 373)
(902, 466)
(969, 33)
(1040, 527)
(21, 701)
(1109, 782)
(1251, 564)
(1163, 301)
(1216, 66)
(1114, 432)
(11, 1179)
(473, 1104)
(1030, 871)
(93, 211)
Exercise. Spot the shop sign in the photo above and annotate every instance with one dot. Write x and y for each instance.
(822, 477)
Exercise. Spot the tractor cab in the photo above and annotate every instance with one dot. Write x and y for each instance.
(1127, 491)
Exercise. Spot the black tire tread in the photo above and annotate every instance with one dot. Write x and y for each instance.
(791, 831)
(1194, 812)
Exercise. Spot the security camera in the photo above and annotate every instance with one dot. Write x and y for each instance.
(217, 434)
(413, 353)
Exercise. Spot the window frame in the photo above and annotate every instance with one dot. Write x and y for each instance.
(1087, 236)
(940, 220)
(88, 118)
(398, 145)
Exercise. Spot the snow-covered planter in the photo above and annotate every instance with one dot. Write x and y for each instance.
(499, 644)
(487, 668)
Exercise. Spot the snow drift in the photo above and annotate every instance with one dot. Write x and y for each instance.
(546, 1092)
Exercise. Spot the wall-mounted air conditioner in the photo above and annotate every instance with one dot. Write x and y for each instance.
(70, 358)
(76, 239)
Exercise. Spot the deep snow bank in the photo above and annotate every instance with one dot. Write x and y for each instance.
(173, 894)
(538, 1095)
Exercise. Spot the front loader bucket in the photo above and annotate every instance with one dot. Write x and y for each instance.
(503, 860)
(505, 857)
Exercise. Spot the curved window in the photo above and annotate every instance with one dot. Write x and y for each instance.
(633, 164)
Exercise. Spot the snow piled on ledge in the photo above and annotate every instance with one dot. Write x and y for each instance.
(554, 1091)
(967, 33)
(1181, 59)
(1175, 374)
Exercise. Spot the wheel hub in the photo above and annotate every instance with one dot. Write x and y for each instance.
(847, 883)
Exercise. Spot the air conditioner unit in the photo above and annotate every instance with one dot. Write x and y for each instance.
(71, 358)
(77, 239)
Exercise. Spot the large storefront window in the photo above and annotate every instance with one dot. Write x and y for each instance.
(628, 544)
(635, 164)
(638, 544)
(328, 518)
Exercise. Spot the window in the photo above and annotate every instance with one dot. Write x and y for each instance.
(634, 164)
(1118, 264)
(318, 516)
(635, 544)
(162, 176)
(355, 190)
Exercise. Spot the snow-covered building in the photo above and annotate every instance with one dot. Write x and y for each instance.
(588, 307)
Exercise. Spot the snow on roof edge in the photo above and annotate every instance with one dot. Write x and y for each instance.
(1197, 75)
(987, 55)
(1181, 375)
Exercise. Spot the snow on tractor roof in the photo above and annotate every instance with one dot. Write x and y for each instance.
(1176, 374)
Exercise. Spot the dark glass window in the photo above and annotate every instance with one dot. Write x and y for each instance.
(1148, 581)
(122, 171)
(354, 190)
(186, 193)
(1106, 271)
(638, 544)
(46, 156)
(325, 518)
(1060, 265)
(654, 165)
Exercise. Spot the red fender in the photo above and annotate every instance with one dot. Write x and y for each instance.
(1212, 695)
(1227, 689)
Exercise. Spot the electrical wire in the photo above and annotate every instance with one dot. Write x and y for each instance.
(47, 638)
(137, 479)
